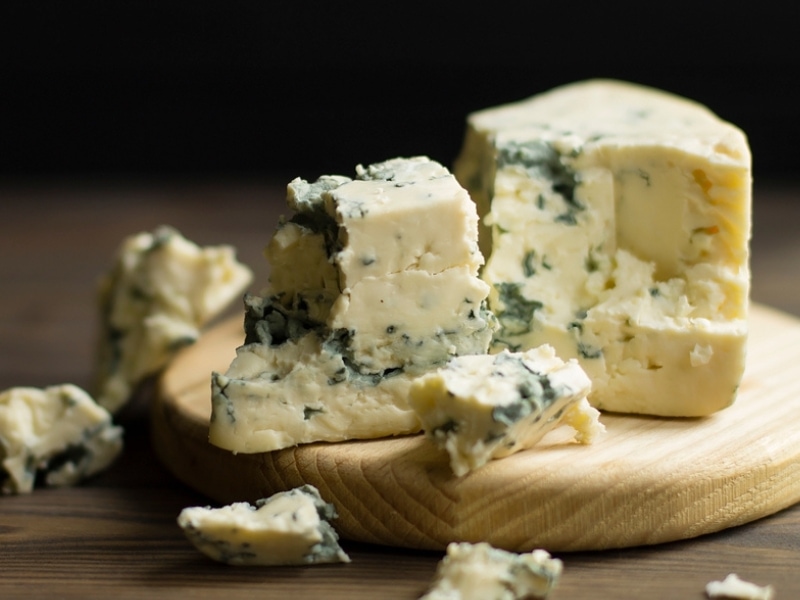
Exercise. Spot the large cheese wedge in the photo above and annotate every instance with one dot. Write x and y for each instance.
(616, 224)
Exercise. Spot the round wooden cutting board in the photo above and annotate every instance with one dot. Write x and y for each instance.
(647, 481)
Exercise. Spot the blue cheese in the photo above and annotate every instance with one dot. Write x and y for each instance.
(617, 223)
(56, 436)
(288, 528)
(391, 257)
(293, 385)
(374, 280)
(484, 407)
(161, 291)
(482, 572)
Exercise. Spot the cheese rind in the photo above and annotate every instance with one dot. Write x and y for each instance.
(484, 407)
(160, 292)
(617, 224)
(288, 528)
(57, 435)
(481, 572)
(374, 281)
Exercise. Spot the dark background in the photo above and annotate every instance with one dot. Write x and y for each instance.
(262, 89)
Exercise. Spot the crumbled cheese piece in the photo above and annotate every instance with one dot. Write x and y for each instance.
(481, 572)
(734, 588)
(57, 435)
(483, 407)
(288, 528)
(162, 289)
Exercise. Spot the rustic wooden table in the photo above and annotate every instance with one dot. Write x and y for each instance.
(115, 536)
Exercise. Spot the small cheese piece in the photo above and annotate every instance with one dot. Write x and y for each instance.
(162, 289)
(288, 528)
(617, 222)
(56, 436)
(481, 572)
(483, 407)
(734, 588)
(374, 281)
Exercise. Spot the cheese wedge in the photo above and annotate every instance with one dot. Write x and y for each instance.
(616, 226)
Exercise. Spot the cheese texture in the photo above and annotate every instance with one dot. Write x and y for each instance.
(486, 406)
(616, 228)
(289, 528)
(162, 289)
(734, 588)
(56, 436)
(374, 280)
(481, 572)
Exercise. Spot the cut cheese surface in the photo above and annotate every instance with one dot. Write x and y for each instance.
(300, 391)
(616, 225)
(374, 280)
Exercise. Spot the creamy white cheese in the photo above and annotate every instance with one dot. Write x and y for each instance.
(483, 407)
(616, 228)
(56, 436)
(304, 390)
(734, 588)
(288, 528)
(481, 572)
(374, 281)
(162, 289)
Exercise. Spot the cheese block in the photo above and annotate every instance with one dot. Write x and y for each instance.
(288, 528)
(374, 281)
(56, 436)
(161, 291)
(617, 224)
(482, 572)
(488, 406)
(391, 258)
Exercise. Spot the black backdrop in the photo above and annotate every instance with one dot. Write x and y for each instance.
(258, 88)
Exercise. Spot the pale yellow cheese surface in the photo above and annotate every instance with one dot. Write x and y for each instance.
(616, 224)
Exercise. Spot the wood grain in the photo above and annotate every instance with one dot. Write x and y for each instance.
(648, 481)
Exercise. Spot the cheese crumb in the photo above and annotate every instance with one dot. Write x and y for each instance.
(56, 436)
(288, 528)
(480, 572)
(700, 355)
(734, 588)
(160, 292)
